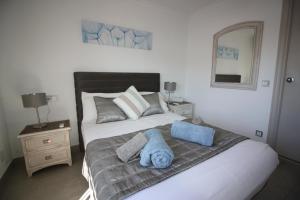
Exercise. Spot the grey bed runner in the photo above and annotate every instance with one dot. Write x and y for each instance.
(114, 179)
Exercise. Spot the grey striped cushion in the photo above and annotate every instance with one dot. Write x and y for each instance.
(132, 103)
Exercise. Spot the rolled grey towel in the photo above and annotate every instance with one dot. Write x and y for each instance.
(131, 147)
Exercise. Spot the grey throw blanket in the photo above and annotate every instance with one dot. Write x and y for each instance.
(114, 179)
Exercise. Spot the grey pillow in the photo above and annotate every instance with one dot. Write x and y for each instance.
(108, 111)
(155, 108)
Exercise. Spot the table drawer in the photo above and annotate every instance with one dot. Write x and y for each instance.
(47, 157)
(47, 141)
(183, 109)
(188, 116)
(186, 112)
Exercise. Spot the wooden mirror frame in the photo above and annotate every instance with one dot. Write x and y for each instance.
(258, 27)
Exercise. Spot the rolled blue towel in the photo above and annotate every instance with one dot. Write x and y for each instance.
(193, 133)
(156, 152)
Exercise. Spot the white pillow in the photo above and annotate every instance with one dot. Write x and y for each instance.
(132, 103)
(89, 107)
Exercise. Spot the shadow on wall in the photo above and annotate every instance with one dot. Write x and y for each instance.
(16, 115)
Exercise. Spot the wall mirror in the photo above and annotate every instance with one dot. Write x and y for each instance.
(236, 55)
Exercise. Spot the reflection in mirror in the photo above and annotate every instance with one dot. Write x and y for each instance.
(236, 55)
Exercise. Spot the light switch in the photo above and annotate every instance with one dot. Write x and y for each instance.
(265, 83)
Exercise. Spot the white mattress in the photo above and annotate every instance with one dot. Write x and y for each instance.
(237, 173)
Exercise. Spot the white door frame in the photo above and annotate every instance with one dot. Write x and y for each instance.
(281, 65)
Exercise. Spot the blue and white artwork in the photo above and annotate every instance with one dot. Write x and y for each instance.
(106, 34)
(227, 53)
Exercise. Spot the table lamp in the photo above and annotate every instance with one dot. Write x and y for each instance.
(35, 100)
(170, 87)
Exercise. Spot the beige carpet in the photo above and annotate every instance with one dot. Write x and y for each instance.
(66, 183)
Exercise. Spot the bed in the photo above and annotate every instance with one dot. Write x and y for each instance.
(237, 173)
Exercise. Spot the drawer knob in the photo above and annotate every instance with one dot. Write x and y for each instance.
(47, 141)
(48, 157)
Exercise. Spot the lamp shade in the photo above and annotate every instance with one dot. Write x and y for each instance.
(170, 86)
(34, 100)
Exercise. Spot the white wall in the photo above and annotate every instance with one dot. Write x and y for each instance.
(242, 111)
(41, 47)
(5, 156)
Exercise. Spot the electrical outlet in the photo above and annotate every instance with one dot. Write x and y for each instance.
(259, 133)
(52, 98)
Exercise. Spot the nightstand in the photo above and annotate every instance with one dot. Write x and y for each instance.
(182, 108)
(47, 146)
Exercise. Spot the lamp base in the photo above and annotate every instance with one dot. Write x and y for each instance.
(41, 125)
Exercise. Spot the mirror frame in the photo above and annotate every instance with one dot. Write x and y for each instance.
(258, 27)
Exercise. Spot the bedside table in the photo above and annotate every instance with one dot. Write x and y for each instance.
(182, 108)
(46, 146)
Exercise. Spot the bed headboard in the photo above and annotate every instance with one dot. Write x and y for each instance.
(110, 82)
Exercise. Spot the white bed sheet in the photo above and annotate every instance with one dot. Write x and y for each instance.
(237, 173)
(92, 131)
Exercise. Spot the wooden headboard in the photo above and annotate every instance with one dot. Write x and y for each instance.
(110, 82)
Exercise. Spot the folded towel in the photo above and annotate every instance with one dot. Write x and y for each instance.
(131, 147)
(156, 152)
(193, 133)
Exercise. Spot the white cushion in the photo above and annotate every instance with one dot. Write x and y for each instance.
(132, 103)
